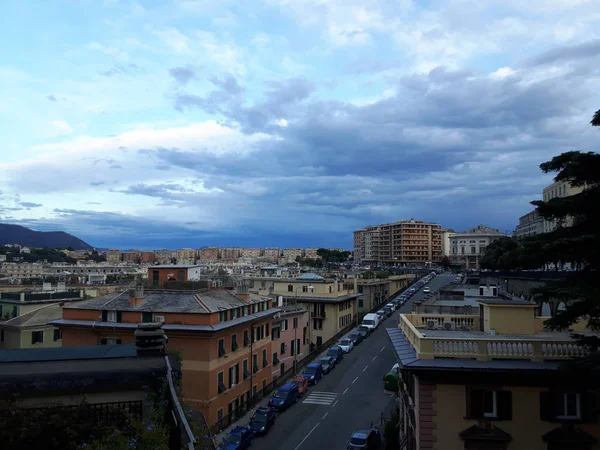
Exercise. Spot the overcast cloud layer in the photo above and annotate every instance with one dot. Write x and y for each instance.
(287, 122)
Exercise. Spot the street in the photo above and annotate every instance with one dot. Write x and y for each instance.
(350, 397)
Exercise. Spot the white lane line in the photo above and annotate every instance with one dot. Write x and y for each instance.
(374, 358)
(306, 437)
(366, 367)
(334, 403)
(345, 391)
(382, 348)
(355, 380)
(324, 416)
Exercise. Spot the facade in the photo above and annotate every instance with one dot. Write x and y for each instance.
(290, 254)
(166, 256)
(407, 242)
(113, 256)
(272, 254)
(22, 270)
(311, 253)
(447, 233)
(529, 225)
(132, 257)
(492, 381)
(250, 252)
(289, 338)
(558, 189)
(332, 304)
(147, 257)
(230, 254)
(376, 291)
(224, 338)
(468, 246)
(186, 256)
(209, 254)
(159, 275)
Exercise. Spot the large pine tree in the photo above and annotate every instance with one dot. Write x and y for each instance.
(576, 240)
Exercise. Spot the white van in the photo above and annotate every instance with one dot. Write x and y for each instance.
(370, 321)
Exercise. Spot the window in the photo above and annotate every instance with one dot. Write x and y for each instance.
(565, 406)
(489, 404)
(37, 337)
(147, 317)
(569, 406)
(304, 288)
(222, 316)
(245, 371)
(275, 359)
(220, 414)
(266, 330)
(290, 288)
(276, 334)
(234, 372)
(234, 344)
(221, 382)
(360, 303)
(1, 335)
(295, 322)
(112, 341)
(57, 334)
(284, 325)
(330, 289)
(254, 363)
(222, 347)
(282, 348)
(265, 361)
(293, 346)
(264, 383)
(246, 338)
(473, 250)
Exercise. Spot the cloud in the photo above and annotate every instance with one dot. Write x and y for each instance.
(97, 183)
(30, 204)
(52, 98)
(120, 69)
(183, 75)
(62, 126)
(584, 50)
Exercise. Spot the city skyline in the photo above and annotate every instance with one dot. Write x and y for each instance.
(287, 123)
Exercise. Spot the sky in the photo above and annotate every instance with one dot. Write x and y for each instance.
(286, 123)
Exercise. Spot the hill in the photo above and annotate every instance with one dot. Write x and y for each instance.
(16, 234)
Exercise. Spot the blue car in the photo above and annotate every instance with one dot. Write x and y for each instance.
(313, 372)
(285, 396)
(239, 438)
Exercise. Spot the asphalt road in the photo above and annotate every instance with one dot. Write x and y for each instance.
(350, 397)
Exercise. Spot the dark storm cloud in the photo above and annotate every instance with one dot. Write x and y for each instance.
(585, 50)
(30, 205)
(183, 75)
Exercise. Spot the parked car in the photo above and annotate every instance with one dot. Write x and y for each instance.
(328, 363)
(364, 332)
(239, 438)
(337, 352)
(262, 420)
(380, 314)
(426, 290)
(313, 372)
(302, 384)
(356, 337)
(346, 344)
(370, 321)
(365, 439)
(284, 397)
(387, 310)
(391, 306)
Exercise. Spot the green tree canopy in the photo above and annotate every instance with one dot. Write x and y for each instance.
(333, 256)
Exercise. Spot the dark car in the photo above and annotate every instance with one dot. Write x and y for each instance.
(328, 363)
(356, 337)
(387, 310)
(262, 420)
(365, 439)
(313, 372)
(239, 438)
(364, 332)
(284, 397)
(380, 314)
(336, 352)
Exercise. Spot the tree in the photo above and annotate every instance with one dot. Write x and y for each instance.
(575, 240)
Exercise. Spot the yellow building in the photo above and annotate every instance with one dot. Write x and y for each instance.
(557, 190)
(332, 303)
(492, 381)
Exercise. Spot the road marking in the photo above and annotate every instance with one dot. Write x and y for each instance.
(306, 437)
(374, 358)
(321, 398)
(355, 380)
(382, 348)
(335, 403)
(324, 416)
(366, 367)
(345, 391)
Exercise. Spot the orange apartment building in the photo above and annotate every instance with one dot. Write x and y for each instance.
(159, 275)
(209, 254)
(224, 338)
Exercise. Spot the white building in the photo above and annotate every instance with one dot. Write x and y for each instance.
(468, 246)
(447, 233)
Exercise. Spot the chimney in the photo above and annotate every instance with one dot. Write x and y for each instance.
(242, 291)
(136, 296)
(150, 339)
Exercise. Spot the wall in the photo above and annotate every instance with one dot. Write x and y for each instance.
(510, 319)
(525, 427)
(49, 342)
(287, 337)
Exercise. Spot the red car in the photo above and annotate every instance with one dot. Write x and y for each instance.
(302, 384)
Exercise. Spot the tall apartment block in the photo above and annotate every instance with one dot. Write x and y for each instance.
(407, 242)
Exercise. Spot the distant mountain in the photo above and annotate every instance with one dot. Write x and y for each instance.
(16, 234)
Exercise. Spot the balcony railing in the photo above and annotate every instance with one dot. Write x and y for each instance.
(485, 347)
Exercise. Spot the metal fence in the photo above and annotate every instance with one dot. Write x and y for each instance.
(247, 405)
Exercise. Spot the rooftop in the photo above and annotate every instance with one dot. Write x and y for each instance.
(37, 318)
(202, 301)
(481, 229)
(310, 277)
(174, 266)
(340, 299)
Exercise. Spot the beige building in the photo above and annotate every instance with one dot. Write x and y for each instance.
(447, 233)
(311, 253)
(272, 254)
(379, 291)
(230, 254)
(530, 224)
(165, 256)
(250, 252)
(332, 304)
(467, 247)
(492, 381)
(290, 254)
(555, 190)
(186, 256)
(209, 254)
(113, 256)
(22, 270)
(407, 242)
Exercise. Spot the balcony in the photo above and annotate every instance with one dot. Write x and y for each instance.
(318, 314)
(428, 335)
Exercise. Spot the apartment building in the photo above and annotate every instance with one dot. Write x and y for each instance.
(148, 257)
(272, 254)
(377, 291)
(407, 242)
(468, 246)
(113, 256)
(160, 275)
(493, 380)
(530, 224)
(230, 254)
(186, 256)
(250, 252)
(289, 338)
(447, 233)
(290, 254)
(224, 338)
(131, 257)
(556, 190)
(22, 270)
(311, 253)
(332, 304)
